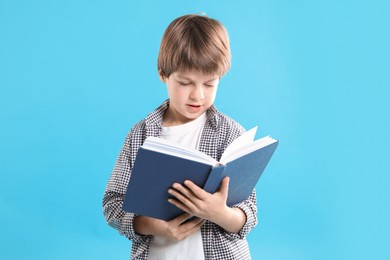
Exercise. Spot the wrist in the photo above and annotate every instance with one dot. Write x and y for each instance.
(231, 219)
(146, 225)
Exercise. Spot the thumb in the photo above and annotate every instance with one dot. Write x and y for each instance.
(225, 186)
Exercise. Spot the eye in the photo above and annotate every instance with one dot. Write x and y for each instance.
(211, 83)
(184, 83)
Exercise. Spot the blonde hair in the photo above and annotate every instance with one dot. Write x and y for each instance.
(194, 42)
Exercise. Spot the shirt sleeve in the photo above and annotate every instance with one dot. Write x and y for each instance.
(115, 193)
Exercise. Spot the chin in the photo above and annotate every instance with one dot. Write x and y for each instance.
(191, 117)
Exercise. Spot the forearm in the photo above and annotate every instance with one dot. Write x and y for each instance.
(148, 226)
(231, 219)
(249, 207)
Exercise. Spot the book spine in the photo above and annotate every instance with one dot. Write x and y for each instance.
(214, 180)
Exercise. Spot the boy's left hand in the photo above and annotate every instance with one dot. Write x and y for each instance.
(196, 201)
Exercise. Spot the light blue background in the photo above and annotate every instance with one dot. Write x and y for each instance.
(76, 75)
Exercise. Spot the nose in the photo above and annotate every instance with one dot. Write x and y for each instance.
(197, 93)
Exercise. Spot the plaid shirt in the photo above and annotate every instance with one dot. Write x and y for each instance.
(219, 131)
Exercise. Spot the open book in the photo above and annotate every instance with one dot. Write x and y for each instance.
(159, 163)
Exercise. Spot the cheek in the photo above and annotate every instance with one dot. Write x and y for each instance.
(180, 93)
(173, 92)
(212, 94)
(177, 95)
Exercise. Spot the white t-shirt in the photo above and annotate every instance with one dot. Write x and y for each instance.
(191, 247)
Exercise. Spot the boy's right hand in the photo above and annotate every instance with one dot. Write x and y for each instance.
(175, 229)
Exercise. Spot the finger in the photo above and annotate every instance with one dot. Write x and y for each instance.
(196, 190)
(186, 199)
(199, 222)
(179, 205)
(183, 190)
(182, 218)
(224, 189)
(192, 229)
(191, 224)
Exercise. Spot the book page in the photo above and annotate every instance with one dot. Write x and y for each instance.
(242, 141)
(164, 146)
(243, 150)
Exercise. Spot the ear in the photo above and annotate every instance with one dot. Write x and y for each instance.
(162, 77)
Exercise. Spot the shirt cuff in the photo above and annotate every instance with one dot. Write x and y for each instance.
(128, 222)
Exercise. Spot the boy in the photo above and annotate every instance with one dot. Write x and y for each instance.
(194, 55)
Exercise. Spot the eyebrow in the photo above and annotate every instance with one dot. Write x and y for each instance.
(189, 79)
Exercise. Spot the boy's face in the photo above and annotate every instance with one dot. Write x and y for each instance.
(191, 94)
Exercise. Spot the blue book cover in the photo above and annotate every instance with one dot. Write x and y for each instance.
(156, 169)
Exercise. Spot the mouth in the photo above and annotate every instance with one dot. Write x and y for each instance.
(194, 108)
